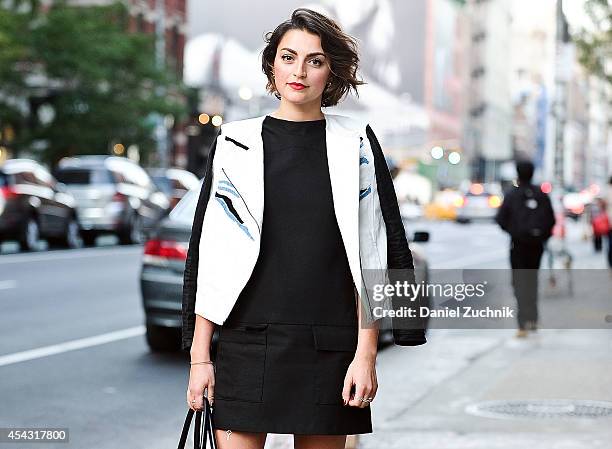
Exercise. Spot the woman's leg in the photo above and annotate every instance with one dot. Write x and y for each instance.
(240, 440)
(597, 242)
(319, 441)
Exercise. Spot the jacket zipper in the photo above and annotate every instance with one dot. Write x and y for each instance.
(242, 198)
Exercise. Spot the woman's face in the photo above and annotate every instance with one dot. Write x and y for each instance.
(300, 59)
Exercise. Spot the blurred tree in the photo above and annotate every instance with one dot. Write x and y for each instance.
(91, 82)
(595, 44)
(13, 50)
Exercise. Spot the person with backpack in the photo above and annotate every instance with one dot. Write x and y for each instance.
(527, 215)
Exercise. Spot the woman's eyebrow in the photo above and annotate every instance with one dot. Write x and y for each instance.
(318, 53)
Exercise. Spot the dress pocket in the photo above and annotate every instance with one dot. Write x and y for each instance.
(335, 347)
(241, 361)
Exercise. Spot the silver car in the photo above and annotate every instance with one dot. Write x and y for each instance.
(114, 195)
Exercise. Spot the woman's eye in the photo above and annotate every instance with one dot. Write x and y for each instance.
(285, 56)
(317, 61)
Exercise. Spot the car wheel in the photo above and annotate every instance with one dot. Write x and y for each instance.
(89, 238)
(134, 233)
(72, 239)
(163, 339)
(30, 235)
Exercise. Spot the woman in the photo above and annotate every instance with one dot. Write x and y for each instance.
(297, 348)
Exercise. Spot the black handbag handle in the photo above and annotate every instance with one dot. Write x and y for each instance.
(203, 428)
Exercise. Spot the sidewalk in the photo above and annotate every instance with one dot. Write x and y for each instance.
(579, 243)
(424, 391)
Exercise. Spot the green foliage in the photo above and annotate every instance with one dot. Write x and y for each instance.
(13, 50)
(595, 44)
(101, 80)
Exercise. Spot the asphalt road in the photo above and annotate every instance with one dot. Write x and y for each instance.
(73, 352)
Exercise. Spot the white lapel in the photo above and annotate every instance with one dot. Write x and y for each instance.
(247, 165)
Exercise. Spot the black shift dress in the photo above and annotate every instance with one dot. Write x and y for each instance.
(284, 349)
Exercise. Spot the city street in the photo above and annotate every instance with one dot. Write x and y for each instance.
(73, 354)
(485, 124)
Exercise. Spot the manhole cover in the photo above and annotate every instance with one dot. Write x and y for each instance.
(546, 408)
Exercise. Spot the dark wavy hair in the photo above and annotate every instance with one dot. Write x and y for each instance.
(339, 47)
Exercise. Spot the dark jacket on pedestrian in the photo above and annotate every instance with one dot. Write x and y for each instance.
(526, 214)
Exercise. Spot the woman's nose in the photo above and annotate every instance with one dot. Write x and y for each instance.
(300, 72)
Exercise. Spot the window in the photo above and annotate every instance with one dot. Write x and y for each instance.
(163, 184)
(184, 211)
(84, 176)
(25, 177)
(131, 173)
(43, 177)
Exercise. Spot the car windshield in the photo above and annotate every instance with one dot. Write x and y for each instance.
(84, 176)
(184, 211)
(164, 184)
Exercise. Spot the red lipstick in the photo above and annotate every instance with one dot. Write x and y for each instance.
(297, 86)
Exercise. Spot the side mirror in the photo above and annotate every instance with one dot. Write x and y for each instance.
(421, 236)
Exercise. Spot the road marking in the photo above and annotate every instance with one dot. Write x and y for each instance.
(5, 285)
(68, 254)
(81, 343)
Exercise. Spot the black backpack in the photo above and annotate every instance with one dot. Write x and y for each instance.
(532, 217)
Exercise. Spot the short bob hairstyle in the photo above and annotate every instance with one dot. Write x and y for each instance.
(339, 47)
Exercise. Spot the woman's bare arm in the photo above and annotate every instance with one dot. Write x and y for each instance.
(201, 376)
(202, 336)
(367, 340)
(362, 370)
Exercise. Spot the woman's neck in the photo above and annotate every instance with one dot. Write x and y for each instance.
(298, 113)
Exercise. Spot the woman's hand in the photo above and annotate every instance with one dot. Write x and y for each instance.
(201, 377)
(361, 373)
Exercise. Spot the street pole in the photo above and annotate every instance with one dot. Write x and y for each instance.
(560, 97)
(161, 132)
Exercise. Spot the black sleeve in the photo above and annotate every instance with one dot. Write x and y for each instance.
(191, 264)
(399, 256)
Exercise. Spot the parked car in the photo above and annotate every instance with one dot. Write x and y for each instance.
(444, 205)
(174, 182)
(163, 265)
(34, 205)
(575, 204)
(481, 201)
(114, 195)
(410, 210)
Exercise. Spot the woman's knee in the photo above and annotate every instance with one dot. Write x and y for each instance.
(319, 441)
